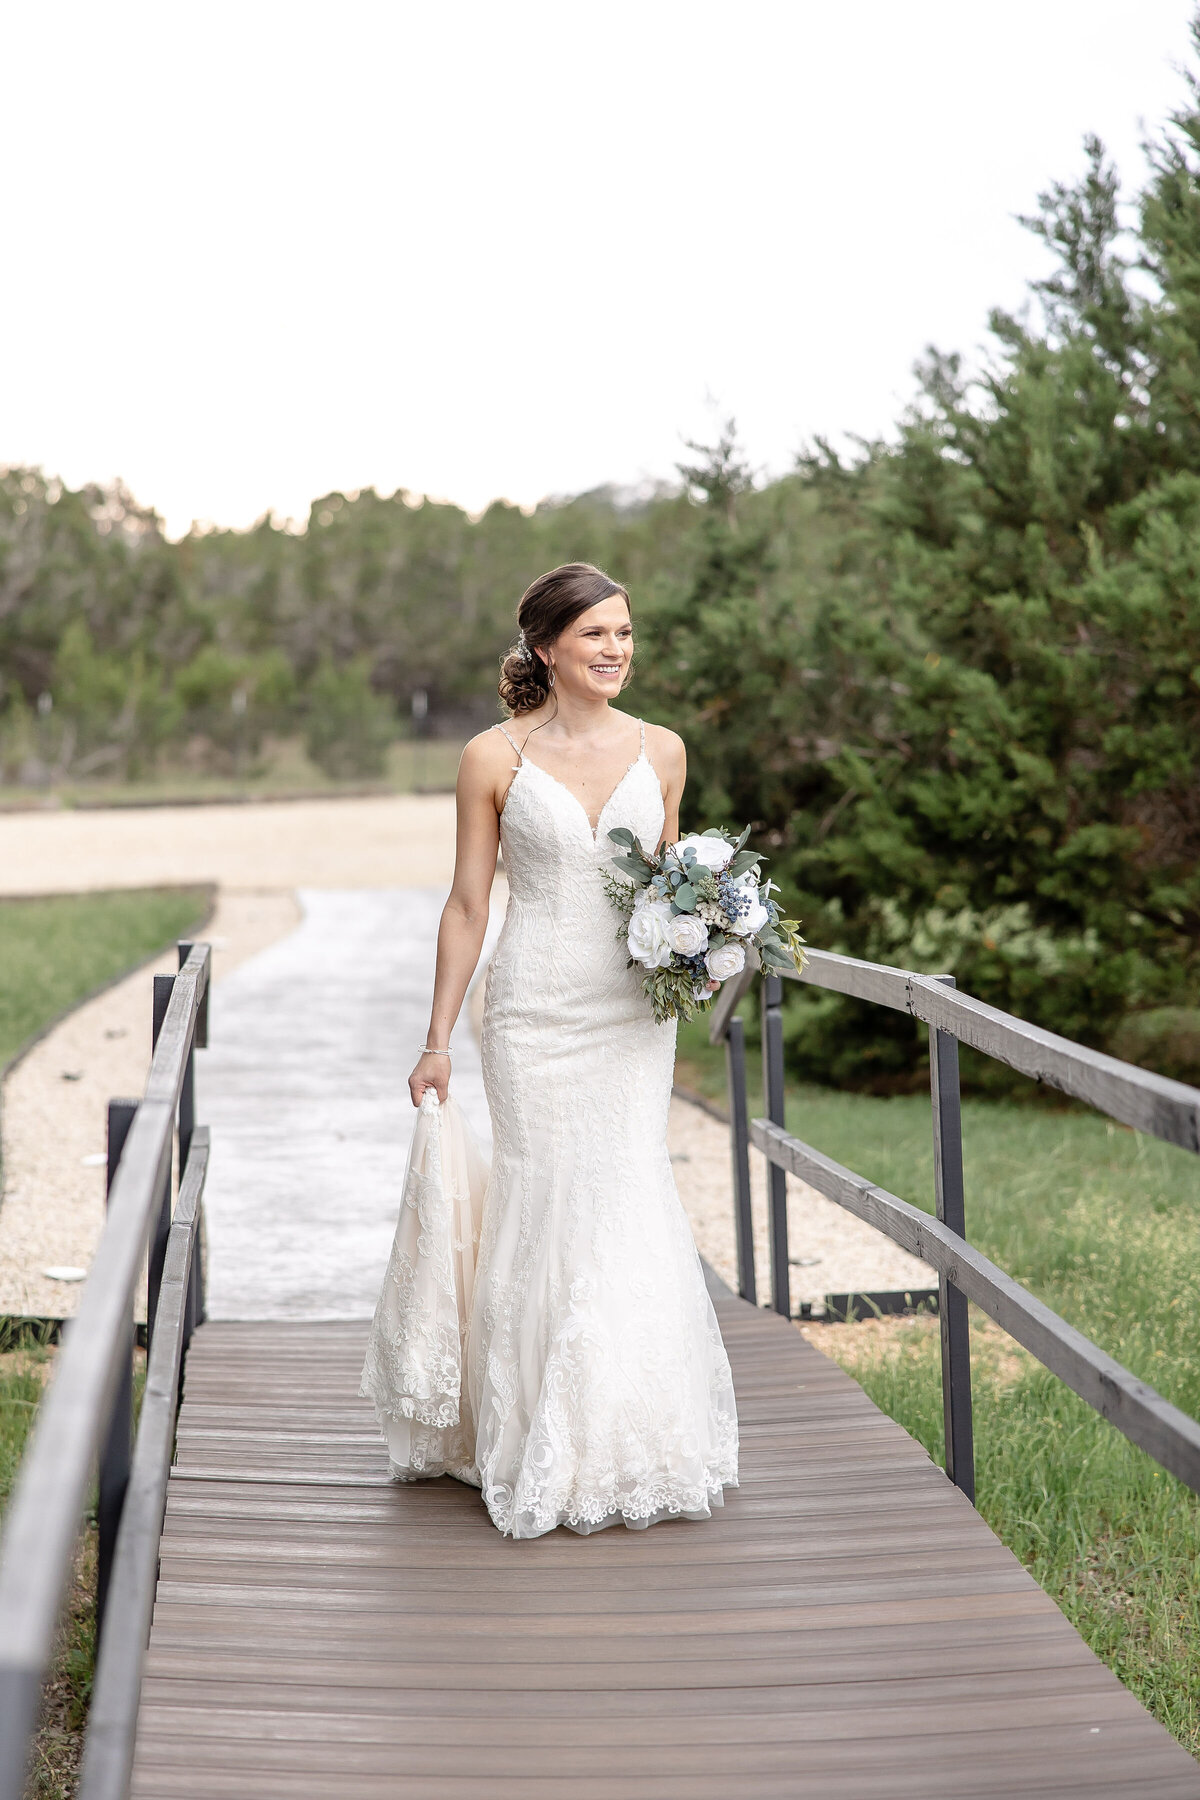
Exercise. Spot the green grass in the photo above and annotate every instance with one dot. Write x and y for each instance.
(55, 951)
(1102, 1224)
(22, 1376)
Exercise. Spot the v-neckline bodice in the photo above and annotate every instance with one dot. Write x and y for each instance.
(528, 762)
(594, 830)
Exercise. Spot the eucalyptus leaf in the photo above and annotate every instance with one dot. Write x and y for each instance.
(775, 957)
(621, 834)
(743, 861)
(631, 866)
(685, 898)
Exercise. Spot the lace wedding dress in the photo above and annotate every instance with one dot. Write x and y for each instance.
(595, 1388)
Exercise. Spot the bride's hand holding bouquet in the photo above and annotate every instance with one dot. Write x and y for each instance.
(691, 911)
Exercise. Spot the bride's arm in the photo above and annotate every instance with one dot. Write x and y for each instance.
(669, 758)
(465, 914)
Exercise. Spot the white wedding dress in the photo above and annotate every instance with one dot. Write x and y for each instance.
(595, 1388)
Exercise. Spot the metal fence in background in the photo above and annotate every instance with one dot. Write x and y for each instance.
(1150, 1103)
(85, 1421)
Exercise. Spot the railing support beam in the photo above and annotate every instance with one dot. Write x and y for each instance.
(163, 986)
(952, 1302)
(773, 1099)
(117, 1449)
(739, 1136)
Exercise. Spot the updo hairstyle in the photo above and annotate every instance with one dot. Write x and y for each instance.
(547, 607)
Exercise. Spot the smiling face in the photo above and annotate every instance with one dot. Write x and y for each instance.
(591, 657)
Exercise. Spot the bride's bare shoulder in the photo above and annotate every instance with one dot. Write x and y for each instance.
(486, 757)
(665, 749)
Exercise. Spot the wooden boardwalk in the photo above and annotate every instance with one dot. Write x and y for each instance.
(846, 1625)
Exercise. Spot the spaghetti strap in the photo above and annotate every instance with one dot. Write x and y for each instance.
(515, 746)
(642, 739)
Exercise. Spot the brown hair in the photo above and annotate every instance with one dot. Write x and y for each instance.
(547, 607)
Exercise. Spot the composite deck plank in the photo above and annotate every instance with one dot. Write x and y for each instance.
(845, 1622)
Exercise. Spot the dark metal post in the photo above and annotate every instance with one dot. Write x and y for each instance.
(952, 1302)
(187, 1121)
(739, 1134)
(187, 1093)
(772, 1061)
(162, 1223)
(117, 1451)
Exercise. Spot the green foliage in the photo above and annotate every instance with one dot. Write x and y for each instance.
(349, 725)
(146, 651)
(728, 643)
(980, 754)
(1167, 1038)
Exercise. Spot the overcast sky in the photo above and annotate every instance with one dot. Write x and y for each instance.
(258, 251)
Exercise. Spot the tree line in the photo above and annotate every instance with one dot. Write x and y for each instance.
(951, 680)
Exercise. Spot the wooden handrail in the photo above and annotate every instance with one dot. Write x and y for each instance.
(112, 1716)
(1166, 1433)
(46, 1508)
(1151, 1103)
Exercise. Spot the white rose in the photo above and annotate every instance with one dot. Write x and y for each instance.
(724, 961)
(747, 923)
(686, 934)
(647, 938)
(711, 852)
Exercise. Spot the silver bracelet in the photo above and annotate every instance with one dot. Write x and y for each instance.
(430, 1051)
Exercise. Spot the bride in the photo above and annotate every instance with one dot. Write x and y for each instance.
(595, 1387)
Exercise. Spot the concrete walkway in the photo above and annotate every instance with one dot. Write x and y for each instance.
(305, 1088)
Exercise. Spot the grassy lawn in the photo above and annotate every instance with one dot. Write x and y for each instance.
(54, 951)
(1101, 1223)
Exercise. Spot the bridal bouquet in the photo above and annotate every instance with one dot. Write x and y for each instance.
(691, 911)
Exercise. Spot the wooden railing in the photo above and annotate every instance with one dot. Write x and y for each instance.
(1151, 1103)
(85, 1420)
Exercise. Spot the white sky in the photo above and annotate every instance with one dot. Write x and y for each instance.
(257, 251)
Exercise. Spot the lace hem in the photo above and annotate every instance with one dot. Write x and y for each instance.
(644, 1505)
(388, 1404)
